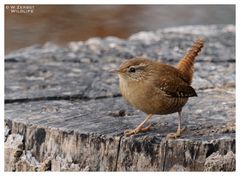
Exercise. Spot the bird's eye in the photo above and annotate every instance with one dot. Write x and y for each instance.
(132, 70)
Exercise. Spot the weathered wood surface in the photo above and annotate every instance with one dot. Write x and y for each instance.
(63, 109)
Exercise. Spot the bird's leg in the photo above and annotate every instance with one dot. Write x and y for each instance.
(139, 128)
(179, 130)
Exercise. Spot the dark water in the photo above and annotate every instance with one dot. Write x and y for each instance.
(27, 25)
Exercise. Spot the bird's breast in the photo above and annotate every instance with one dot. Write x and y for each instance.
(145, 98)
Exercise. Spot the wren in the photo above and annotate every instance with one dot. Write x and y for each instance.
(157, 88)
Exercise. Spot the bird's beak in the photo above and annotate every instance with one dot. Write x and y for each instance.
(114, 71)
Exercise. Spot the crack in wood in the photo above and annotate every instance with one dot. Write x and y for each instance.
(118, 151)
(14, 60)
(62, 97)
(165, 155)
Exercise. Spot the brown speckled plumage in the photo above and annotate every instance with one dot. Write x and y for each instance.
(185, 66)
(157, 88)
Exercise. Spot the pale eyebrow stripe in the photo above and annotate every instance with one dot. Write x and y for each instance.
(140, 66)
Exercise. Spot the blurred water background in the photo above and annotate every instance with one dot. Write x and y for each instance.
(63, 23)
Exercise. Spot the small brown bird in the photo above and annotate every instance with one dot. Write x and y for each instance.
(157, 88)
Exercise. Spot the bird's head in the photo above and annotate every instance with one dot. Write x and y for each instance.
(134, 69)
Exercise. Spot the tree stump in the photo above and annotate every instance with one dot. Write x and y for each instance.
(64, 111)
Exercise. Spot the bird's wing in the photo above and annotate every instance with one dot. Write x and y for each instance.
(174, 87)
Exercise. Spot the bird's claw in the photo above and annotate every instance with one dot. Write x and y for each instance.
(175, 135)
(136, 130)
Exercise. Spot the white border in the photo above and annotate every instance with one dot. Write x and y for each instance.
(216, 2)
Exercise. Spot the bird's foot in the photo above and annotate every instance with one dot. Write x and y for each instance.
(137, 130)
(175, 135)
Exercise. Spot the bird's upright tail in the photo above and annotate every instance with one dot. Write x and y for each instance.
(185, 65)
